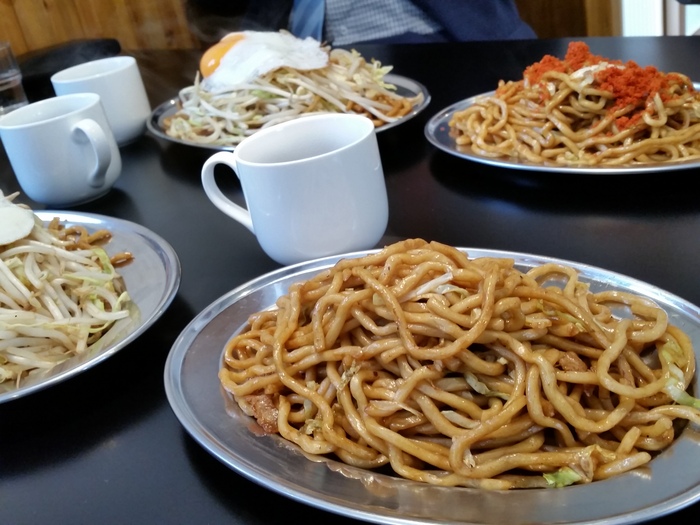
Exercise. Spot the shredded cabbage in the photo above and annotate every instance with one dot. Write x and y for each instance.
(563, 477)
(348, 84)
(57, 301)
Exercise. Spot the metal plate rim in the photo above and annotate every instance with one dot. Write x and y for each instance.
(436, 131)
(170, 281)
(295, 488)
(405, 86)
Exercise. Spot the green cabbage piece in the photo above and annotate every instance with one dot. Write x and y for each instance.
(671, 354)
(563, 477)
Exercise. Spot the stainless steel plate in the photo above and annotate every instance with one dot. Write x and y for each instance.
(404, 87)
(671, 481)
(152, 280)
(437, 131)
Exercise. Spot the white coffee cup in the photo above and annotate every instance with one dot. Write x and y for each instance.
(62, 149)
(118, 82)
(313, 187)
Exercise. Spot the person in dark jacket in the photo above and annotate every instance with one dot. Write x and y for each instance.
(369, 21)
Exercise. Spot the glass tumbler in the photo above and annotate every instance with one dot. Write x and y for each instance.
(12, 95)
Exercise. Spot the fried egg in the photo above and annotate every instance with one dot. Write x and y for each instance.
(239, 58)
(16, 222)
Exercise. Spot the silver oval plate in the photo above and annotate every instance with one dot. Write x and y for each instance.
(404, 87)
(437, 131)
(152, 280)
(670, 482)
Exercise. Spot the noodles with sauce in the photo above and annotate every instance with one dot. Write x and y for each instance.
(464, 372)
(585, 110)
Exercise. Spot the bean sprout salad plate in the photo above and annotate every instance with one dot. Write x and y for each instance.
(150, 280)
(405, 87)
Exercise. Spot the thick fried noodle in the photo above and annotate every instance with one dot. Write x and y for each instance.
(464, 372)
(585, 110)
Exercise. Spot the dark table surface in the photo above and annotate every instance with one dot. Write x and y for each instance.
(105, 446)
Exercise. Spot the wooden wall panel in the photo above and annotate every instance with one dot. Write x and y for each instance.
(603, 18)
(10, 29)
(571, 18)
(549, 20)
(136, 24)
(162, 24)
(46, 22)
(100, 18)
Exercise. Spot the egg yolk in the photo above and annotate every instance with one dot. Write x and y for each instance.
(212, 57)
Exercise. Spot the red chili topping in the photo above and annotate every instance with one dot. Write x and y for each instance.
(630, 85)
(549, 63)
(578, 55)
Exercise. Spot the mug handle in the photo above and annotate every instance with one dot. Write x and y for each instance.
(216, 196)
(92, 131)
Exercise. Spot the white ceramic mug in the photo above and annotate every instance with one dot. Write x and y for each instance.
(62, 149)
(118, 82)
(313, 187)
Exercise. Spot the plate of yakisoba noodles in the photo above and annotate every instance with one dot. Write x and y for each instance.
(423, 383)
(255, 79)
(583, 113)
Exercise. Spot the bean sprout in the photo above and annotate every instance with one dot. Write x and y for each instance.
(60, 296)
(348, 84)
